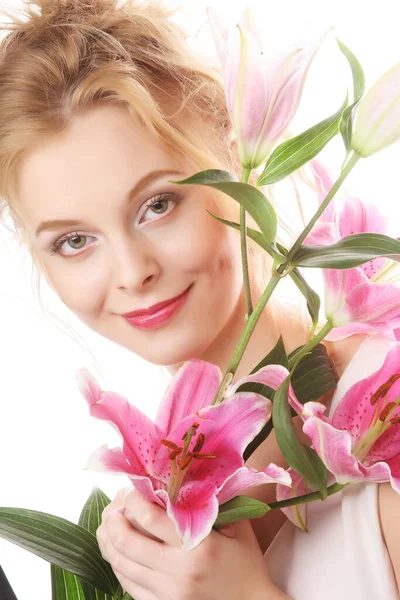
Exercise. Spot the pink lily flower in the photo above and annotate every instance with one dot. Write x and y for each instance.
(263, 84)
(378, 116)
(191, 459)
(361, 442)
(365, 299)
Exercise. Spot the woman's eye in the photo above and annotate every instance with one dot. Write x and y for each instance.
(159, 205)
(73, 241)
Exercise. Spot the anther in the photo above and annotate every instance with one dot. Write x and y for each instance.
(395, 420)
(198, 455)
(174, 453)
(385, 412)
(191, 431)
(169, 444)
(185, 462)
(199, 443)
(384, 388)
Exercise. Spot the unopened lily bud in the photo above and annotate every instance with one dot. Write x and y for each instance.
(378, 118)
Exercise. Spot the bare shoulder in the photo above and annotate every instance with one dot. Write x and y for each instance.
(389, 509)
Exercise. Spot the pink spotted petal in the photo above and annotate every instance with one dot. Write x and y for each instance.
(141, 438)
(387, 447)
(334, 447)
(375, 303)
(313, 409)
(340, 333)
(228, 428)
(354, 411)
(338, 284)
(88, 386)
(247, 477)
(297, 514)
(111, 460)
(394, 466)
(270, 375)
(361, 217)
(323, 234)
(194, 512)
(193, 387)
(149, 489)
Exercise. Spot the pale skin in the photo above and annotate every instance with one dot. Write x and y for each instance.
(128, 256)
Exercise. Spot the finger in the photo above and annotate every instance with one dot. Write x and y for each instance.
(117, 502)
(152, 517)
(227, 530)
(244, 532)
(102, 535)
(134, 589)
(133, 545)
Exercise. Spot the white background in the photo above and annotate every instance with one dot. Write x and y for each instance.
(46, 434)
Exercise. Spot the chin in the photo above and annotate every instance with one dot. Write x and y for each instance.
(171, 354)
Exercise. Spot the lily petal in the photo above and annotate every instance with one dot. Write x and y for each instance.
(354, 411)
(110, 460)
(297, 514)
(247, 477)
(227, 428)
(141, 438)
(379, 302)
(194, 513)
(192, 388)
(334, 447)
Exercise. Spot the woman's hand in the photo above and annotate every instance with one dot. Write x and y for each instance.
(228, 564)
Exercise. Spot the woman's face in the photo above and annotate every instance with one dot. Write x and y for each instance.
(124, 254)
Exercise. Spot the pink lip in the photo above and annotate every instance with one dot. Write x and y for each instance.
(153, 319)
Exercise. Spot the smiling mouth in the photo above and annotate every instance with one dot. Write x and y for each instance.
(159, 317)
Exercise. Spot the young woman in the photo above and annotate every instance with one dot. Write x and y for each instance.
(100, 106)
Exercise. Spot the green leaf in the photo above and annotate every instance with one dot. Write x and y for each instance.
(65, 585)
(270, 249)
(277, 356)
(90, 519)
(293, 153)
(312, 298)
(315, 374)
(254, 201)
(351, 251)
(292, 449)
(60, 542)
(319, 468)
(346, 125)
(239, 508)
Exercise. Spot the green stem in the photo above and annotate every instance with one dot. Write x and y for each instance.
(311, 344)
(332, 489)
(243, 244)
(244, 340)
(348, 167)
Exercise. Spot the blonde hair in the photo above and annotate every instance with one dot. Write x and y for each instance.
(59, 57)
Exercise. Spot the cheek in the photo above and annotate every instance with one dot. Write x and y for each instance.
(82, 290)
(205, 247)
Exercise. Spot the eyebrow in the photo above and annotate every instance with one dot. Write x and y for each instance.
(143, 182)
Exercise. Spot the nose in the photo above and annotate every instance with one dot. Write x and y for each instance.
(135, 265)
